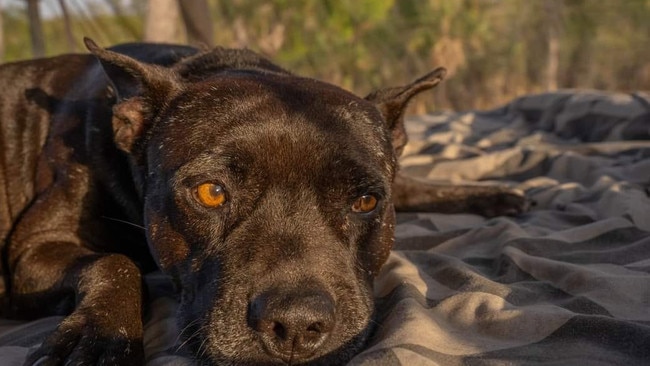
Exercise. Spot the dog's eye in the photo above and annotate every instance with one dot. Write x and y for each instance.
(364, 204)
(210, 195)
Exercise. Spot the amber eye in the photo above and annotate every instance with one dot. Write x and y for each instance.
(210, 195)
(365, 204)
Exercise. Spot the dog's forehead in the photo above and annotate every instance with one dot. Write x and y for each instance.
(261, 96)
(283, 115)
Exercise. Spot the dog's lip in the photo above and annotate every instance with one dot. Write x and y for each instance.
(283, 357)
(289, 360)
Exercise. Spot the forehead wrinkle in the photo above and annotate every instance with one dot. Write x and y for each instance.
(286, 144)
(259, 145)
(288, 130)
(241, 99)
(282, 147)
(206, 122)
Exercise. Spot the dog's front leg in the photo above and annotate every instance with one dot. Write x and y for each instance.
(105, 327)
(414, 195)
(54, 272)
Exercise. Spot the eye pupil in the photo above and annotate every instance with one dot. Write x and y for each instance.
(210, 195)
(365, 204)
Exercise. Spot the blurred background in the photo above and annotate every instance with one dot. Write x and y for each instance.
(495, 50)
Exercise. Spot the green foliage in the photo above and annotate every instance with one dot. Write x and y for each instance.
(495, 49)
(16, 29)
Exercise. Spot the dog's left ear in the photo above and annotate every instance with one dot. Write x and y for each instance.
(140, 89)
(392, 103)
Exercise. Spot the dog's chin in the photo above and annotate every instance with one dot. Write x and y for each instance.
(224, 325)
(338, 356)
(229, 342)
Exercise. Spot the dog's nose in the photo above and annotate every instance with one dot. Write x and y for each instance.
(293, 324)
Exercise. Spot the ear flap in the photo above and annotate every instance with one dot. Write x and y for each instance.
(139, 87)
(392, 103)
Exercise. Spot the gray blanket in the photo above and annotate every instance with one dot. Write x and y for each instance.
(565, 284)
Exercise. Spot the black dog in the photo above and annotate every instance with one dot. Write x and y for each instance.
(269, 198)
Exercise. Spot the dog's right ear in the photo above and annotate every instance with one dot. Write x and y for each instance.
(139, 88)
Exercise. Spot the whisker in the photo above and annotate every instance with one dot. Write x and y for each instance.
(196, 333)
(124, 222)
(180, 346)
(202, 350)
(186, 328)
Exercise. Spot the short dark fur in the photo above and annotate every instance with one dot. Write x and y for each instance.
(281, 273)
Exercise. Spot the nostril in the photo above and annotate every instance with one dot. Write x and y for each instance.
(315, 327)
(279, 330)
(314, 334)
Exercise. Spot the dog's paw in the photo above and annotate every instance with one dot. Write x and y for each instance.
(82, 340)
(502, 202)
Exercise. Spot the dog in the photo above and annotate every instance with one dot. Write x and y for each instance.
(268, 198)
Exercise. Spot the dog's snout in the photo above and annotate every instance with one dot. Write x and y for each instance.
(293, 324)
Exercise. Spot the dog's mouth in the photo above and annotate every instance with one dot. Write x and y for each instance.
(298, 326)
(308, 354)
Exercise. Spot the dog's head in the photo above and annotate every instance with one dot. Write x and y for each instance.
(266, 195)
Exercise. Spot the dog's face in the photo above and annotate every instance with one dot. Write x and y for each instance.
(268, 197)
(275, 201)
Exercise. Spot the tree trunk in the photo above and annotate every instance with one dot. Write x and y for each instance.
(198, 23)
(35, 28)
(553, 22)
(68, 26)
(162, 21)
